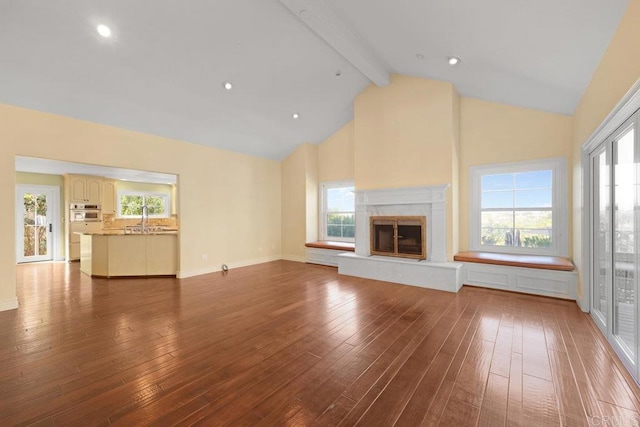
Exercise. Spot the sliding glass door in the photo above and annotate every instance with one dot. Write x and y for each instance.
(615, 169)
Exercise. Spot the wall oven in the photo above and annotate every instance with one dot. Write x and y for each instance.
(85, 212)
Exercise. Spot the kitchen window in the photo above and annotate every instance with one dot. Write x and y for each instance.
(130, 204)
(520, 208)
(337, 211)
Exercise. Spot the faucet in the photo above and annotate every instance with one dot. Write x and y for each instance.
(142, 222)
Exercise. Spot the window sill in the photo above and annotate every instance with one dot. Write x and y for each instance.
(329, 244)
(526, 261)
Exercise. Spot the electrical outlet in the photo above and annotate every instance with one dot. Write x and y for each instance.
(205, 256)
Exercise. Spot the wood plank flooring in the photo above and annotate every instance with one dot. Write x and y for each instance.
(285, 343)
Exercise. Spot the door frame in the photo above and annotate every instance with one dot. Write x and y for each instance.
(625, 108)
(54, 207)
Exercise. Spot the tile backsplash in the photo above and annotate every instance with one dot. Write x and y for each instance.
(110, 221)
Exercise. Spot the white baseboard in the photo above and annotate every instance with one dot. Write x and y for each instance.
(582, 303)
(231, 265)
(11, 304)
(294, 258)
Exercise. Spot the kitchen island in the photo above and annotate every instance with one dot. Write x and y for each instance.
(116, 254)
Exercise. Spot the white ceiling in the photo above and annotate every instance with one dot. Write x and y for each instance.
(163, 69)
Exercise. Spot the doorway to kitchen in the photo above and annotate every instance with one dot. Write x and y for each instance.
(37, 222)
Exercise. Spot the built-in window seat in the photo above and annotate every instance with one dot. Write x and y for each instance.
(325, 252)
(541, 275)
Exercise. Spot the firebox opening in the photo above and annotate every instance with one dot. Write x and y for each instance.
(400, 236)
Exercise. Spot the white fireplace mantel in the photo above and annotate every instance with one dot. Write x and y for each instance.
(435, 272)
(427, 201)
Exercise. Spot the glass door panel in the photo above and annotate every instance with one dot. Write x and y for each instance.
(34, 228)
(624, 260)
(601, 229)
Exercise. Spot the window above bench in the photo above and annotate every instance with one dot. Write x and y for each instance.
(337, 211)
(520, 208)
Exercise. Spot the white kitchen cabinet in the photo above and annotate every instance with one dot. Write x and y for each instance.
(84, 189)
(109, 203)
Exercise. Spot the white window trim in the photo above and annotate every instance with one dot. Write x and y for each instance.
(324, 186)
(167, 202)
(560, 212)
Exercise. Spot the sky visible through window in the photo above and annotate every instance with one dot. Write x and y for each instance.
(340, 220)
(516, 209)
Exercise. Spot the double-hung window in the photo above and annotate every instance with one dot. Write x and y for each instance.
(337, 211)
(520, 208)
(130, 204)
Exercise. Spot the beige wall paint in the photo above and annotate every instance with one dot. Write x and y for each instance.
(335, 156)
(617, 72)
(454, 198)
(53, 181)
(403, 134)
(230, 204)
(143, 186)
(493, 133)
(311, 202)
(299, 201)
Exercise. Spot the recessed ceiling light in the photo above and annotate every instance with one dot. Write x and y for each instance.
(454, 60)
(103, 30)
(296, 116)
(227, 85)
(419, 56)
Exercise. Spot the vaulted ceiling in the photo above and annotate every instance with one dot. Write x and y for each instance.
(162, 71)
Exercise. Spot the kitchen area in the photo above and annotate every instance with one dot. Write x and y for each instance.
(114, 222)
(120, 228)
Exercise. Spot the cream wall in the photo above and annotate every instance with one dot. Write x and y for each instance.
(618, 70)
(230, 204)
(404, 136)
(53, 181)
(492, 133)
(335, 156)
(299, 201)
(454, 204)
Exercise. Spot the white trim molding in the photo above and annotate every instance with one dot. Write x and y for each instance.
(560, 221)
(428, 201)
(625, 108)
(323, 211)
(10, 304)
(557, 284)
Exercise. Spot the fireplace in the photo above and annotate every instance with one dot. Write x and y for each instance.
(427, 266)
(398, 236)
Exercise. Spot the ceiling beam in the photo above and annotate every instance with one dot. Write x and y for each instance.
(317, 15)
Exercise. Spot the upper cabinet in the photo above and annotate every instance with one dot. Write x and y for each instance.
(85, 189)
(109, 196)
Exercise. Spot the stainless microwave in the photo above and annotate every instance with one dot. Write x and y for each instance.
(85, 213)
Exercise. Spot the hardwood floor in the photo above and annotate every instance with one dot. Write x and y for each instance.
(288, 343)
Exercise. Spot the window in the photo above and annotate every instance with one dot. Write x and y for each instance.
(520, 208)
(338, 218)
(130, 204)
